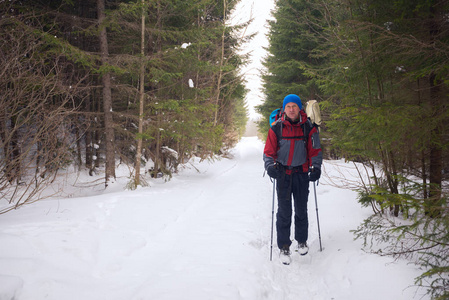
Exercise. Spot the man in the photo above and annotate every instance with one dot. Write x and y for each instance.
(293, 157)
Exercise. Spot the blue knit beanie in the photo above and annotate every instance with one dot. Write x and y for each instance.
(292, 98)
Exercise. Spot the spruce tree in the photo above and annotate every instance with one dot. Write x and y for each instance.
(381, 68)
(192, 104)
(294, 42)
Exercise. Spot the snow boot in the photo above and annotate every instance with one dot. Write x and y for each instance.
(285, 256)
(302, 249)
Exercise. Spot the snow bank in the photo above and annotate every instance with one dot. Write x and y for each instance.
(203, 235)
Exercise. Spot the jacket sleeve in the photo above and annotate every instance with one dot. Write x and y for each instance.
(271, 149)
(314, 153)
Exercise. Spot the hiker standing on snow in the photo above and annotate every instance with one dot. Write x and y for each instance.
(293, 159)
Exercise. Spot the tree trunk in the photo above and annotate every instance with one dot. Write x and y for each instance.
(13, 154)
(436, 163)
(107, 96)
(158, 146)
(79, 160)
(220, 73)
(141, 98)
(424, 174)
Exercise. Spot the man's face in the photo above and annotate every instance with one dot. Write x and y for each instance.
(292, 111)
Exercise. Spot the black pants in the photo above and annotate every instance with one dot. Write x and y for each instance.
(296, 184)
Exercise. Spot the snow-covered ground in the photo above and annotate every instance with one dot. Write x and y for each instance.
(203, 235)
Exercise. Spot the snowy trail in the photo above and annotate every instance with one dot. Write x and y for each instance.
(203, 235)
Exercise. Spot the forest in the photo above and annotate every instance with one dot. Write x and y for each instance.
(379, 70)
(95, 84)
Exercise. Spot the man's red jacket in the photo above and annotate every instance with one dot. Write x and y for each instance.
(287, 146)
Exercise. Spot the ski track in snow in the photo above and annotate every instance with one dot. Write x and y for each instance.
(203, 235)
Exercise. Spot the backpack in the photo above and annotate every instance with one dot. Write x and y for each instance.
(275, 115)
(312, 111)
(313, 114)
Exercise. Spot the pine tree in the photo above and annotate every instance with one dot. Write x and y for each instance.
(192, 104)
(295, 42)
(383, 66)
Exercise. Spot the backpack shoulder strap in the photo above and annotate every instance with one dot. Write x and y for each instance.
(306, 128)
(277, 128)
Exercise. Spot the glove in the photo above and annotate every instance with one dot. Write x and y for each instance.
(273, 172)
(314, 174)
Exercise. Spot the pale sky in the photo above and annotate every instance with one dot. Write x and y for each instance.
(261, 12)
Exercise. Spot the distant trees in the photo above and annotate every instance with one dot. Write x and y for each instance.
(379, 69)
(72, 85)
(295, 39)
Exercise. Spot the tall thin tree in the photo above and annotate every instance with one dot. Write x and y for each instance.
(141, 96)
(107, 94)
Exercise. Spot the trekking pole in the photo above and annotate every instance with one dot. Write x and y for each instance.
(272, 220)
(317, 218)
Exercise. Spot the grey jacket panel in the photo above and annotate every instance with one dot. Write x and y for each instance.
(317, 160)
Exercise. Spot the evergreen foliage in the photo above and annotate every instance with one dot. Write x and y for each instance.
(293, 44)
(419, 237)
(193, 94)
(379, 70)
